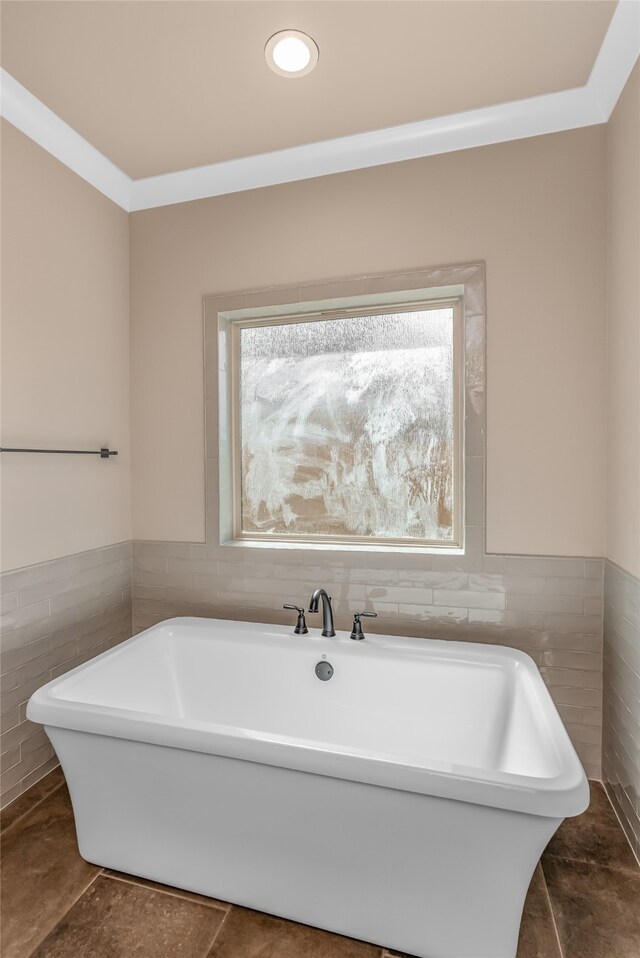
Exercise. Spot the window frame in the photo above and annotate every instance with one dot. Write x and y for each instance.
(236, 325)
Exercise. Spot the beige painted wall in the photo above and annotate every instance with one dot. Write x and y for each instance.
(533, 210)
(623, 330)
(65, 358)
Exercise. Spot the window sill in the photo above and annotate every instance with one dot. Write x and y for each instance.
(342, 547)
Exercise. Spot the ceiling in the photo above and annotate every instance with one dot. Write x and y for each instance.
(163, 86)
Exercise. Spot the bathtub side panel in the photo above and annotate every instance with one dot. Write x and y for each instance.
(428, 876)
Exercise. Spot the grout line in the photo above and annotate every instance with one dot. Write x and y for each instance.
(36, 805)
(615, 812)
(222, 924)
(64, 915)
(585, 861)
(553, 916)
(169, 890)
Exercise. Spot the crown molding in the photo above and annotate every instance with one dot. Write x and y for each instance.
(44, 127)
(461, 131)
(552, 113)
(617, 56)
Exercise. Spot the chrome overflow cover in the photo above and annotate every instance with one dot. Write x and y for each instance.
(324, 671)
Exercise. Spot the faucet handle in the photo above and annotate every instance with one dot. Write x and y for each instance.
(301, 625)
(356, 632)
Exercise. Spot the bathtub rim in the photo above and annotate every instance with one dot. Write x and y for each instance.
(561, 795)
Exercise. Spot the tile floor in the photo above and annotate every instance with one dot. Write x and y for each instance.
(584, 899)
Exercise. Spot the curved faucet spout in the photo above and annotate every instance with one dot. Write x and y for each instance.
(327, 611)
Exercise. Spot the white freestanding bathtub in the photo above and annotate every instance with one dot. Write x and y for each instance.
(405, 801)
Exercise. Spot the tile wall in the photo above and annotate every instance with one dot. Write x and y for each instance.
(55, 615)
(621, 719)
(550, 608)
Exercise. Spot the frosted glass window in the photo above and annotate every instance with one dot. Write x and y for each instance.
(347, 427)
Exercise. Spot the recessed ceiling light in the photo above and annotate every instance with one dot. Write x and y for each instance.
(291, 53)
